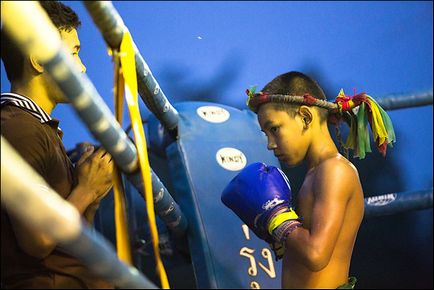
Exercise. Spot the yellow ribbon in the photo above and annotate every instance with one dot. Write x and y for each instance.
(128, 64)
(379, 131)
(121, 224)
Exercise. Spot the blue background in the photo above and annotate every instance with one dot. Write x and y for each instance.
(213, 51)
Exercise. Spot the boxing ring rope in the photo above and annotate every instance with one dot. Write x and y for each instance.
(35, 203)
(402, 101)
(394, 203)
(112, 27)
(40, 38)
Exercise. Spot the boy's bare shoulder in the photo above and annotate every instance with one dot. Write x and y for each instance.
(337, 178)
(337, 164)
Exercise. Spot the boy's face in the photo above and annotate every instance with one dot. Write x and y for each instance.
(286, 134)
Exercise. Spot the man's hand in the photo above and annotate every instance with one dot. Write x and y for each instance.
(94, 171)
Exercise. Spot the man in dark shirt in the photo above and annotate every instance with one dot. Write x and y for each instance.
(30, 259)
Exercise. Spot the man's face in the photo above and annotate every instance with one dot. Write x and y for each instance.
(286, 134)
(72, 43)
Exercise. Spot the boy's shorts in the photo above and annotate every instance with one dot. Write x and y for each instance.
(350, 285)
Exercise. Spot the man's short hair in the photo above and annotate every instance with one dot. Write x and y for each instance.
(296, 84)
(62, 16)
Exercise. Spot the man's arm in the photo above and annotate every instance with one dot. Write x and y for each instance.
(28, 140)
(94, 181)
(332, 187)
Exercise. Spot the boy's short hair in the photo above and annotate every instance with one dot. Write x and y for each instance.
(62, 16)
(296, 84)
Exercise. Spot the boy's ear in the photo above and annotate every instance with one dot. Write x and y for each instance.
(36, 65)
(306, 115)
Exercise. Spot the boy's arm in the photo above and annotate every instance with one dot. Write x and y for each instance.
(314, 245)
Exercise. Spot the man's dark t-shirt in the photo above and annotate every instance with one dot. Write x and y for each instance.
(37, 139)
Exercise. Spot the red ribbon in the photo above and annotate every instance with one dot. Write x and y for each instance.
(309, 100)
(345, 101)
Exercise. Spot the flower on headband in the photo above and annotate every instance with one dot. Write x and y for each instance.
(255, 99)
(250, 93)
(347, 103)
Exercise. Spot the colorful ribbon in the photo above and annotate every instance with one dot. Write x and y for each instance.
(368, 112)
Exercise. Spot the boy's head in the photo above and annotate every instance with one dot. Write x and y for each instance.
(293, 112)
(20, 68)
(293, 84)
(290, 126)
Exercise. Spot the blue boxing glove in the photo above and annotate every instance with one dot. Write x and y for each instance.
(261, 197)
